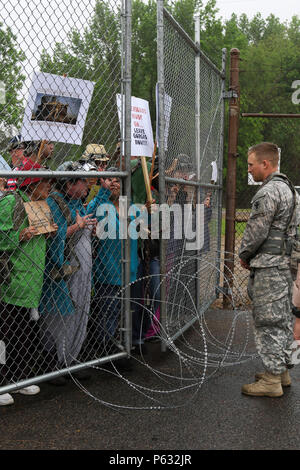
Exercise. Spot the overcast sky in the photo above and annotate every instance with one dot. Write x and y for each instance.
(284, 9)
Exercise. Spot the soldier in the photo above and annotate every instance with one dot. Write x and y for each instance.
(265, 251)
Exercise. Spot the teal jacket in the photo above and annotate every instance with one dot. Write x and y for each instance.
(56, 298)
(107, 266)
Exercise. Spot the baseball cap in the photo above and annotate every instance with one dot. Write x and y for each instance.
(16, 142)
(29, 165)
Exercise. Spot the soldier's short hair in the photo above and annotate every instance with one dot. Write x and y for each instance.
(265, 151)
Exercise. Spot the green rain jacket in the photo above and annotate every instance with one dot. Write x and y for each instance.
(27, 258)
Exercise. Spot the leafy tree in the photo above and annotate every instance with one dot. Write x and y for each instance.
(93, 55)
(270, 62)
(11, 112)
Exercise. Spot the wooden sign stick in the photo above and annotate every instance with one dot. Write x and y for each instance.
(152, 165)
(42, 145)
(146, 179)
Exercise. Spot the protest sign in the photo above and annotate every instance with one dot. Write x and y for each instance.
(56, 108)
(142, 144)
(39, 216)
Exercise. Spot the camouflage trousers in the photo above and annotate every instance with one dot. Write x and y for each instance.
(270, 290)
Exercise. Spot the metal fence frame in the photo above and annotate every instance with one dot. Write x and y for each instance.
(125, 130)
(162, 16)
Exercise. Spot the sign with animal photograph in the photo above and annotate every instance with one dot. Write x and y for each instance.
(56, 108)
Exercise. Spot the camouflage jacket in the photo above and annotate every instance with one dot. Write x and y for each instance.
(272, 207)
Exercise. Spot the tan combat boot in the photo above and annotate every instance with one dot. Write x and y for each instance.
(268, 386)
(286, 380)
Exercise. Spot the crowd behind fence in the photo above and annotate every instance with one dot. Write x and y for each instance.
(81, 281)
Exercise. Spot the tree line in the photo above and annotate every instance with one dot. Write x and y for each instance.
(269, 50)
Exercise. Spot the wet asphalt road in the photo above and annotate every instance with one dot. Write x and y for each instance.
(179, 410)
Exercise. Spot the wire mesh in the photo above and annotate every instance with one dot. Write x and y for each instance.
(63, 290)
(61, 69)
(194, 268)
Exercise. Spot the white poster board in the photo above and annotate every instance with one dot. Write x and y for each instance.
(56, 108)
(142, 144)
(167, 116)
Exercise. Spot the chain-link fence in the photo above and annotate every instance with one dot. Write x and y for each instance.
(74, 290)
(62, 298)
(193, 148)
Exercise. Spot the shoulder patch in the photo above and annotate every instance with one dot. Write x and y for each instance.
(257, 205)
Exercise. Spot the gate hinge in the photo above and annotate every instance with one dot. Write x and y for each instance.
(228, 95)
(223, 290)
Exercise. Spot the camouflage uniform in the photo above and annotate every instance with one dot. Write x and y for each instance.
(270, 282)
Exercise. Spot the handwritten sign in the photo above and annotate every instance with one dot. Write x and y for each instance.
(142, 144)
(39, 216)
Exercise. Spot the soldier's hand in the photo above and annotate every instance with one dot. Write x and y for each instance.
(244, 264)
(297, 329)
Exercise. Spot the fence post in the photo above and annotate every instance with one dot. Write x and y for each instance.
(198, 143)
(127, 152)
(220, 171)
(161, 162)
(234, 112)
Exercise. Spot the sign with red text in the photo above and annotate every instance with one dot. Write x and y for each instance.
(142, 144)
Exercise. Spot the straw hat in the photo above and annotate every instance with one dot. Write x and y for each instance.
(95, 152)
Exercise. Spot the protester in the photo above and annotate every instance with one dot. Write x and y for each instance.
(91, 181)
(107, 269)
(273, 219)
(39, 151)
(146, 315)
(22, 151)
(22, 266)
(65, 302)
(16, 148)
(96, 155)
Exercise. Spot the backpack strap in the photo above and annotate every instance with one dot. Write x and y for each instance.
(63, 206)
(285, 179)
(279, 242)
(66, 212)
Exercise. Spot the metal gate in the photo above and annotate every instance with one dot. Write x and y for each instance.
(191, 90)
(49, 326)
(41, 336)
